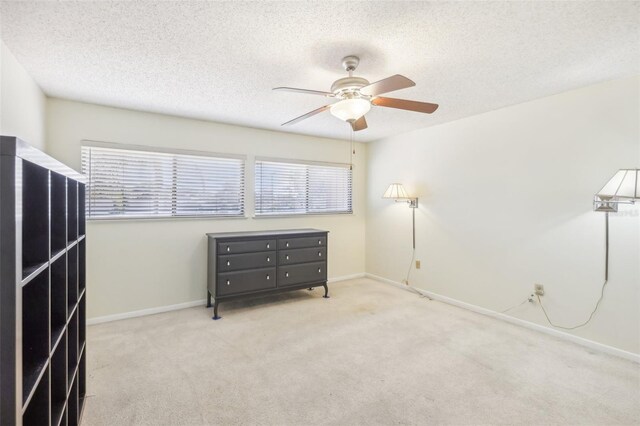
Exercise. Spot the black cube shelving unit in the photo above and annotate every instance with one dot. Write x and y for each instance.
(42, 288)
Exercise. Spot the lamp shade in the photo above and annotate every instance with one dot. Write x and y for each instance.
(350, 109)
(396, 191)
(625, 184)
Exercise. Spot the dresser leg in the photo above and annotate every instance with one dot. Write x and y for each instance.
(215, 310)
(208, 299)
(326, 291)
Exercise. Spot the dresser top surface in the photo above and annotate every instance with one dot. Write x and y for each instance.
(270, 233)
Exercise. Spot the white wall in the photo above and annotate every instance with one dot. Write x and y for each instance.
(505, 202)
(134, 265)
(22, 103)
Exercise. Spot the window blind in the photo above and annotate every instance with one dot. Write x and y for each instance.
(284, 187)
(132, 183)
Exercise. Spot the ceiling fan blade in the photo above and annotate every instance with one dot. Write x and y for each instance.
(359, 124)
(389, 84)
(307, 115)
(308, 92)
(405, 104)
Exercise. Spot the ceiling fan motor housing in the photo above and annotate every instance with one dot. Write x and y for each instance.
(349, 87)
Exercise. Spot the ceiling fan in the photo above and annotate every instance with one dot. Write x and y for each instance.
(356, 95)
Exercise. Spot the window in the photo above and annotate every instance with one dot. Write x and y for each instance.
(287, 187)
(135, 182)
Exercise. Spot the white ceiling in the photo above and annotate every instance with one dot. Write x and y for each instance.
(219, 60)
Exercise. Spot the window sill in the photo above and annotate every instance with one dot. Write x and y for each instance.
(291, 215)
(170, 218)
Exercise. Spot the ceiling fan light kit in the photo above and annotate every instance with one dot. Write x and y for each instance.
(356, 95)
(350, 109)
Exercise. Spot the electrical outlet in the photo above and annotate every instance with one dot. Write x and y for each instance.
(538, 289)
(417, 264)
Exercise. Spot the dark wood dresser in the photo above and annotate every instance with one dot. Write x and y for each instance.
(253, 263)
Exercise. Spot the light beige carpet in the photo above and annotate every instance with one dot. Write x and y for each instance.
(372, 354)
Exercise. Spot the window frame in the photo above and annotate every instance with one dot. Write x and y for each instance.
(86, 143)
(257, 215)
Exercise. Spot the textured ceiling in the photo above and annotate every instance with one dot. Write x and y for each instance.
(219, 60)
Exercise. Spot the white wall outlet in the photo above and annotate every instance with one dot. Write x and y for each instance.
(538, 289)
(417, 264)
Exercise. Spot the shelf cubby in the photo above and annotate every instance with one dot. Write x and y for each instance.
(35, 217)
(81, 210)
(72, 278)
(82, 317)
(58, 297)
(82, 381)
(59, 380)
(63, 420)
(58, 213)
(35, 331)
(72, 210)
(37, 411)
(82, 265)
(72, 346)
(72, 405)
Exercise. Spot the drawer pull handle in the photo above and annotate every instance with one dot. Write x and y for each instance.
(268, 259)
(268, 245)
(228, 282)
(287, 257)
(319, 254)
(287, 244)
(286, 274)
(228, 248)
(319, 270)
(228, 263)
(267, 277)
(320, 242)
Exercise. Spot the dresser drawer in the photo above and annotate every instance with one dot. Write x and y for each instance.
(304, 273)
(288, 257)
(246, 281)
(236, 262)
(302, 242)
(246, 246)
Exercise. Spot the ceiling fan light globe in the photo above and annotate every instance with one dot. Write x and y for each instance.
(350, 109)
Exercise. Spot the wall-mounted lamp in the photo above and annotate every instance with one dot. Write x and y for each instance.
(622, 188)
(396, 192)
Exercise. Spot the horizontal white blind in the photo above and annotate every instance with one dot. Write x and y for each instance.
(129, 183)
(299, 188)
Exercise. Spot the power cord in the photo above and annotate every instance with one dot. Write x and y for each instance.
(579, 325)
(406, 280)
(528, 299)
(413, 258)
(604, 285)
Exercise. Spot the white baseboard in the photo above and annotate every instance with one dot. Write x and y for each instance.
(346, 277)
(145, 312)
(537, 327)
(160, 309)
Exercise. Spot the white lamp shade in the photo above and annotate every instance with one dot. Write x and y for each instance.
(625, 184)
(396, 191)
(350, 109)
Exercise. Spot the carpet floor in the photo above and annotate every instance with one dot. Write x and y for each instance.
(371, 354)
